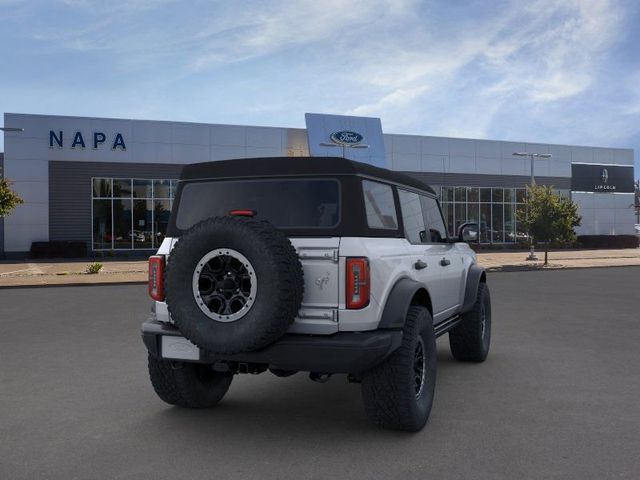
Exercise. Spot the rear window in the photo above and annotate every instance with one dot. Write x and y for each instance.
(286, 203)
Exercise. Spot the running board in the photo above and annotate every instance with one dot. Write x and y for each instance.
(444, 327)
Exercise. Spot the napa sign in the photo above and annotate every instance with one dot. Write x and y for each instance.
(98, 139)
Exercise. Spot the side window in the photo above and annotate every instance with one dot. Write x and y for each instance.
(433, 220)
(412, 217)
(379, 205)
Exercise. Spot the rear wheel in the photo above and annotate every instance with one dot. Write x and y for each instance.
(470, 340)
(398, 393)
(190, 385)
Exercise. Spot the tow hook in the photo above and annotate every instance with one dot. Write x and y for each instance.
(320, 377)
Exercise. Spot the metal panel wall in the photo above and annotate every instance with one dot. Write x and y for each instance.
(70, 192)
(476, 180)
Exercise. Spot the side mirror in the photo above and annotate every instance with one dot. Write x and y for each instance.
(468, 232)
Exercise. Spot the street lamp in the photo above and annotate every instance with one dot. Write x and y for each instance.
(532, 253)
(11, 129)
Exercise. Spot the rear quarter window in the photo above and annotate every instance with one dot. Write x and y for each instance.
(379, 205)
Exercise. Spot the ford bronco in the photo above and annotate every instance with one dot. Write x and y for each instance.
(321, 265)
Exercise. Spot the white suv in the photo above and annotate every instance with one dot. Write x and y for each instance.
(322, 265)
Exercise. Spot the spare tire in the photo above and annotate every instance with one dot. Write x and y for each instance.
(233, 284)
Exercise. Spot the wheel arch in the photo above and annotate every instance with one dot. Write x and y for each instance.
(475, 277)
(404, 294)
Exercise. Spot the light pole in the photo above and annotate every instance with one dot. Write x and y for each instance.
(532, 253)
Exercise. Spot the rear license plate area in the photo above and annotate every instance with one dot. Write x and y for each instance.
(179, 348)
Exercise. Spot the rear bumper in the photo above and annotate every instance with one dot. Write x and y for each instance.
(344, 352)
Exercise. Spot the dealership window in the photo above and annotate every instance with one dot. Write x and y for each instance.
(130, 213)
(495, 209)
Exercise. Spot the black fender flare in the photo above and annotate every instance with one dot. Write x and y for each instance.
(398, 303)
(475, 275)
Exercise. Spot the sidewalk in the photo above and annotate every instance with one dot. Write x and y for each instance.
(72, 272)
(511, 261)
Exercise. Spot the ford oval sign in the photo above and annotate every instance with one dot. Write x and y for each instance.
(346, 137)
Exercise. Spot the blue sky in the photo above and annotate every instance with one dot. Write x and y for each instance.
(542, 71)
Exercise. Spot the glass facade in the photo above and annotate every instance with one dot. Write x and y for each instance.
(130, 213)
(495, 209)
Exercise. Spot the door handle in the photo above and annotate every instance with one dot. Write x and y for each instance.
(419, 265)
(445, 261)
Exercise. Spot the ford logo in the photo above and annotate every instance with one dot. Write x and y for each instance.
(346, 137)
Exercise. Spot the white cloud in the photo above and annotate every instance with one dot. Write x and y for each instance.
(526, 57)
(288, 25)
(553, 51)
(521, 68)
(397, 99)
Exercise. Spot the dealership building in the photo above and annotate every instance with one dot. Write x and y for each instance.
(110, 182)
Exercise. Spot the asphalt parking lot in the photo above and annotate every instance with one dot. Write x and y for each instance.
(557, 398)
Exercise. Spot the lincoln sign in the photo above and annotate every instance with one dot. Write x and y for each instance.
(604, 178)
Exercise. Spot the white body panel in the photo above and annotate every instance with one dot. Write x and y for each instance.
(323, 309)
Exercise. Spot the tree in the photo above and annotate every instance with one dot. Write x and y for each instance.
(8, 198)
(549, 217)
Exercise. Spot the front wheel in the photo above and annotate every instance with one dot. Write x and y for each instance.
(470, 340)
(398, 393)
(189, 385)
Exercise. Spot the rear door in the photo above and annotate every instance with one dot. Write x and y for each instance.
(446, 254)
(425, 257)
(435, 260)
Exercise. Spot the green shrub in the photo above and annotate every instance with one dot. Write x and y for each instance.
(94, 268)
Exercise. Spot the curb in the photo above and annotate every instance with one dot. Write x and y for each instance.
(54, 285)
(525, 268)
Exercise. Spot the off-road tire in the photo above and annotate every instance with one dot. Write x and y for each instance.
(189, 385)
(469, 340)
(278, 273)
(389, 389)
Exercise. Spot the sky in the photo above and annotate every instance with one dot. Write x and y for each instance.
(539, 71)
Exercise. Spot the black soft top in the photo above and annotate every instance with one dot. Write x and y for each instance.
(294, 166)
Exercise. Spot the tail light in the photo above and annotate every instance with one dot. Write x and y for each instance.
(242, 212)
(156, 277)
(358, 282)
